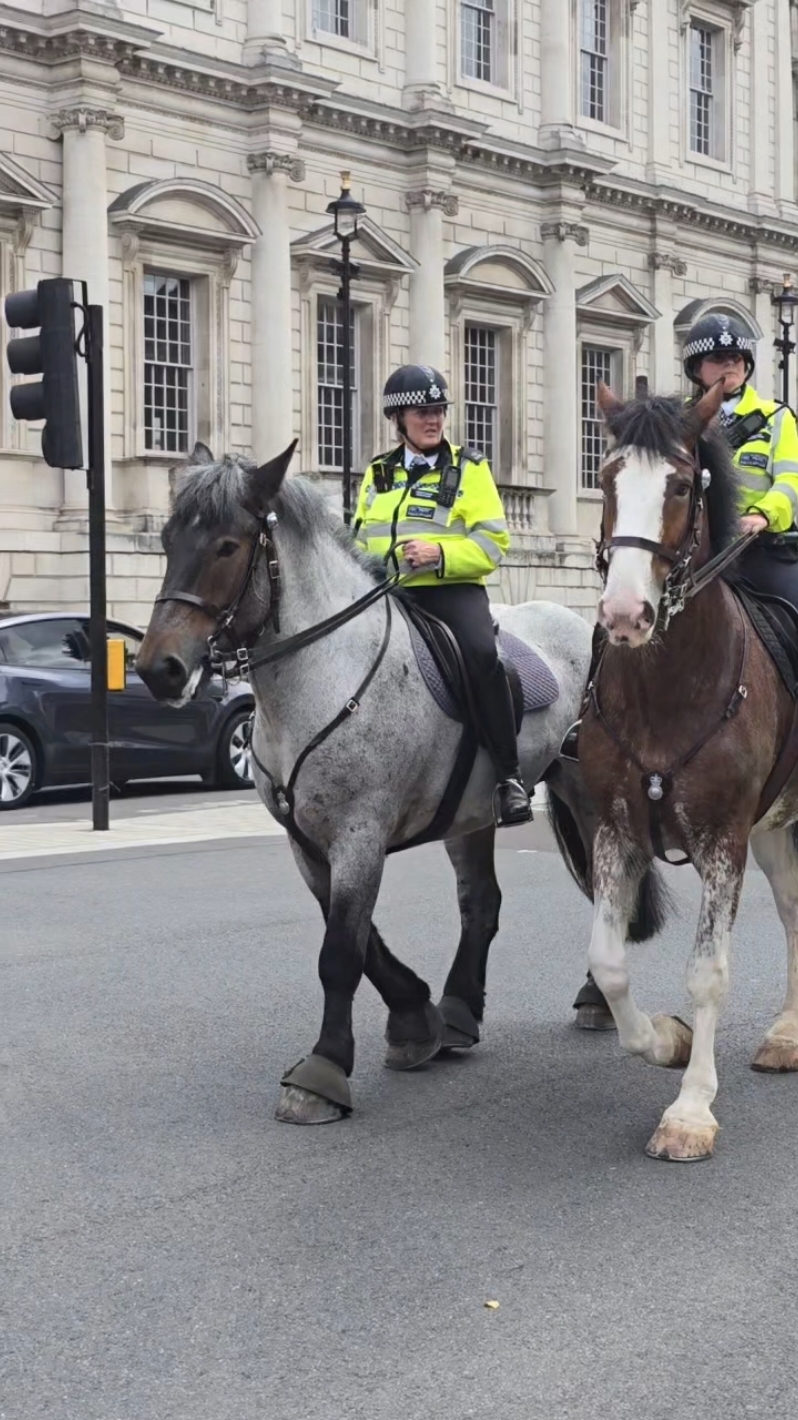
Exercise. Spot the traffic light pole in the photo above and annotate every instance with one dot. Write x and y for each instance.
(97, 572)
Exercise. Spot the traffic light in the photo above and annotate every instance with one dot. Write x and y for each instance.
(52, 355)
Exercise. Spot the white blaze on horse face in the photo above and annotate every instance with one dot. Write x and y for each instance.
(628, 608)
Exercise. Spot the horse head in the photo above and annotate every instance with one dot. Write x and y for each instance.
(215, 588)
(653, 523)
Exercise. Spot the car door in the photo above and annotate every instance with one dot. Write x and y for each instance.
(148, 739)
(49, 659)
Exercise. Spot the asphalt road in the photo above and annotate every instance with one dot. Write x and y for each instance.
(171, 1253)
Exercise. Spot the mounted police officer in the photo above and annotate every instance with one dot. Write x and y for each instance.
(764, 438)
(432, 509)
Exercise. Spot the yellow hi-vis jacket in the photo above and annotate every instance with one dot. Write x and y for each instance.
(768, 463)
(456, 505)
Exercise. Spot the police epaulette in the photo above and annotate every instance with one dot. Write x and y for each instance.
(473, 455)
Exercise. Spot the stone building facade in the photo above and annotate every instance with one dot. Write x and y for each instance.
(555, 189)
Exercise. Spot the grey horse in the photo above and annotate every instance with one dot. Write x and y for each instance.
(352, 787)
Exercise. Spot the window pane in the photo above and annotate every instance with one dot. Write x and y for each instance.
(476, 39)
(333, 16)
(49, 645)
(168, 362)
(330, 380)
(594, 59)
(702, 94)
(596, 366)
(480, 389)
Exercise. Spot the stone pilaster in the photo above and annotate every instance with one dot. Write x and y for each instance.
(561, 406)
(266, 39)
(785, 113)
(664, 265)
(659, 96)
(556, 78)
(272, 360)
(423, 87)
(427, 209)
(84, 130)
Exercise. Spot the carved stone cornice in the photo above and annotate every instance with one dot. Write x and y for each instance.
(270, 162)
(83, 118)
(738, 8)
(26, 221)
(566, 231)
(427, 199)
(684, 211)
(667, 261)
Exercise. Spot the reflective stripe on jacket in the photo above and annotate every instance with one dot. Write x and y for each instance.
(472, 535)
(768, 463)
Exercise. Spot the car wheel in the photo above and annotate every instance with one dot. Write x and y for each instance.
(18, 767)
(234, 757)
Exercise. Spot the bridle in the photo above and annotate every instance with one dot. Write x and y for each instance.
(683, 580)
(239, 646)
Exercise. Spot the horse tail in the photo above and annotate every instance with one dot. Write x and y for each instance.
(569, 840)
(654, 902)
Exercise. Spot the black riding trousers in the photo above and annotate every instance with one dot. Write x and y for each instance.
(465, 609)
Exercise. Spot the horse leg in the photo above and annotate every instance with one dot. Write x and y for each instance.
(463, 1001)
(777, 856)
(316, 1090)
(688, 1127)
(661, 1040)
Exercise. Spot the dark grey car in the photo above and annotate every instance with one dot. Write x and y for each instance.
(45, 696)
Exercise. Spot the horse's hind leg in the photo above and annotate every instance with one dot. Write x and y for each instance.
(463, 1001)
(776, 854)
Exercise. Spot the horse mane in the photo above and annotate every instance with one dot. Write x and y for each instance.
(658, 425)
(215, 495)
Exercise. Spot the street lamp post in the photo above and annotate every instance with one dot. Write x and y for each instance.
(785, 301)
(345, 211)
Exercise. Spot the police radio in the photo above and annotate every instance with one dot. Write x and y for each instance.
(449, 484)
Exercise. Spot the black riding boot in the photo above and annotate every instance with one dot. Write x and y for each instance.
(498, 721)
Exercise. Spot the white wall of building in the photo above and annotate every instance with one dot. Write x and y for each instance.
(494, 204)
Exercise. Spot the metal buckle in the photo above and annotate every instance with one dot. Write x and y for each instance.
(352, 706)
(242, 664)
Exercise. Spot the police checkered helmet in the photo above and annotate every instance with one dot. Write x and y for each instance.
(716, 335)
(413, 387)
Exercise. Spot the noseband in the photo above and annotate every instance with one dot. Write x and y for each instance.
(238, 646)
(683, 581)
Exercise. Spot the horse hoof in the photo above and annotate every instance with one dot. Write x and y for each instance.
(776, 1056)
(315, 1091)
(413, 1037)
(680, 1143)
(297, 1106)
(674, 1042)
(460, 1025)
(594, 1018)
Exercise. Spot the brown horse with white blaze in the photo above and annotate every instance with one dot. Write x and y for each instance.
(688, 740)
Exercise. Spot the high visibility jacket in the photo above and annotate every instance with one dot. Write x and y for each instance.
(768, 463)
(456, 505)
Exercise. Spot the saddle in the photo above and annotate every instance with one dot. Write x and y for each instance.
(533, 686)
(775, 622)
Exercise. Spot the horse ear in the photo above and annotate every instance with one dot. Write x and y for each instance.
(200, 454)
(607, 402)
(700, 414)
(267, 480)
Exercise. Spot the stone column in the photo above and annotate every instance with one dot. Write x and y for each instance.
(659, 95)
(272, 355)
(761, 196)
(423, 88)
(768, 375)
(427, 306)
(785, 121)
(85, 249)
(561, 412)
(664, 265)
(265, 39)
(556, 78)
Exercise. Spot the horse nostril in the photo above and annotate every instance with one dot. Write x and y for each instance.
(174, 672)
(647, 616)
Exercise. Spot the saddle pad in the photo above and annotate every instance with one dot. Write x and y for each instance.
(538, 684)
(776, 624)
